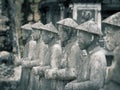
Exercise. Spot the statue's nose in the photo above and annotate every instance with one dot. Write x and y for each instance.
(104, 38)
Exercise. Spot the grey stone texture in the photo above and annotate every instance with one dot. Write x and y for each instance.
(50, 53)
(112, 43)
(73, 61)
(91, 70)
(66, 70)
(27, 57)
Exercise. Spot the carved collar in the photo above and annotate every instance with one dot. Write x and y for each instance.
(94, 50)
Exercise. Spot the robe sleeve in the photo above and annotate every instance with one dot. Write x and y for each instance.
(56, 53)
(114, 69)
(32, 47)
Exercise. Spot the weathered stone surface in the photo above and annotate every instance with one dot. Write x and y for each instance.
(50, 37)
(49, 27)
(6, 57)
(11, 82)
(5, 38)
(9, 73)
(41, 52)
(6, 71)
(90, 26)
(29, 54)
(93, 80)
(91, 69)
(113, 19)
(112, 33)
(67, 22)
(39, 70)
(66, 69)
(69, 65)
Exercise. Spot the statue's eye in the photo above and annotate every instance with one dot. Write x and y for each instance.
(48, 35)
(107, 32)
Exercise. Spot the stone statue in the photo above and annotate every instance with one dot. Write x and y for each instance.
(91, 71)
(51, 55)
(41, 50)
(36, 35)
(27, 38)
(70, 54)
(27, 55)
(112, 43)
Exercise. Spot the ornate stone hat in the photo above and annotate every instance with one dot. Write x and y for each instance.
(49, 27)
(113, 19)
(27, 27)
(69, 22)
(90, 26)
(37, 25)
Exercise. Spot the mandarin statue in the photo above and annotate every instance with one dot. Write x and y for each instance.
(112, 43)
(91, 71)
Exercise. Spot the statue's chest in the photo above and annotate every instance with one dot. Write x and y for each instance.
(84, 68)
(71, 55)
(67, 56)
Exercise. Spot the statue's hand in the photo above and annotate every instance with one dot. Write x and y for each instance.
(63, 63)
(25, 59)
(69, 86)
(35, 70)
(50, 74)
(25, 63)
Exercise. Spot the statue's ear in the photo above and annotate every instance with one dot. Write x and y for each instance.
(116, 36)
(32, 37)
(92, 38)
(51, 35)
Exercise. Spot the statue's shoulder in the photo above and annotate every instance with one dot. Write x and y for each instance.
(56, 46)
(99, 51)
(98, 56)
(117, 50)
(32, 42)
(75, 46)
(117, 54)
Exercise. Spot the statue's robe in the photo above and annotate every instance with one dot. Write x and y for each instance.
(41, 52)
(27, 56)
(113, 78)
(55, 60)
(92, 77)
(51, 55)
(67, 69)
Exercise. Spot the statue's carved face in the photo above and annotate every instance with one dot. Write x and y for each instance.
(66, 34)
(63, 36)
(26, 34)
(111, 38)
(36, 34)
(84, 39)
(47, 36)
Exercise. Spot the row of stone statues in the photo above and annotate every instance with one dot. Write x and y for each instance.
(69, 58)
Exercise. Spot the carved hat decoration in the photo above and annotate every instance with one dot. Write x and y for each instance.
(69, 22)
(49, 27)
(27, 27)
(37, 25)
(90, 26)
(113, 19)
